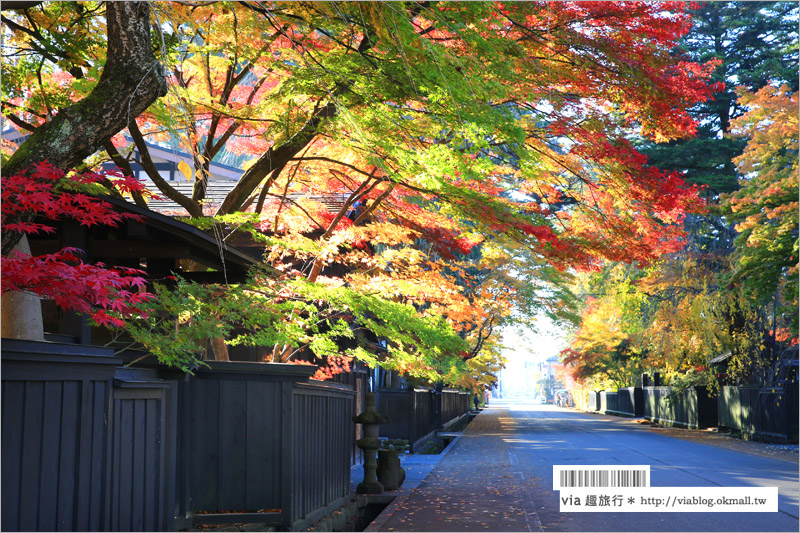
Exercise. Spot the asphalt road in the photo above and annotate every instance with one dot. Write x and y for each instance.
(498, 476)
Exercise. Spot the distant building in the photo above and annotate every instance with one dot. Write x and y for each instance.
(549, 382)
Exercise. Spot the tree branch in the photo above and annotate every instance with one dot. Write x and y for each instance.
(18, 5)
(274, 158)
(126, 168)
(147, 164)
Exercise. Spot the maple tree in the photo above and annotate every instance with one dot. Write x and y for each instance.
(55, 39)
(506, 109)
(474, 148)
(106, 294)
(671, 318)
(603, 351)
(765, 207)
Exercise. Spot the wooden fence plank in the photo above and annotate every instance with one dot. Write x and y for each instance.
(68, 453)
(99, 391)
(257, 413)
(287, 455)
(152, 482)
(116, 459)
(30, 483)
(203, 444)
(232, 445)
(125, 518)
(13, 405)
(138, 486)
(51, 439)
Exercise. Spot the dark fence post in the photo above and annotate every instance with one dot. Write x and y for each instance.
(707, 413)
(791, 395)
(638, 402)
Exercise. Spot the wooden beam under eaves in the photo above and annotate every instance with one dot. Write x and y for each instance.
(138, 249)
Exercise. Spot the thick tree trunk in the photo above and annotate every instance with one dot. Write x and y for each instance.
(132, 79)
(219, 350)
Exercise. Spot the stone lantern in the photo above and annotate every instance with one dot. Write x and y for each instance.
(370, 419)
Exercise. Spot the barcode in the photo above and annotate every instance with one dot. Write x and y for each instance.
(598, 476)
(603, 478)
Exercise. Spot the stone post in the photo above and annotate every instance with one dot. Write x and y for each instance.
(22, 311)
(390, 472)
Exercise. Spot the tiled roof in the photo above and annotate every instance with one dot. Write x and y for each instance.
(219, 189)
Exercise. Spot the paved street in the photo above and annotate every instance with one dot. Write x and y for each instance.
(498, 475)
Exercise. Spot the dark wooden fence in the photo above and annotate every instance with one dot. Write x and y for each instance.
(142, 421)
(454, 404)
(357, 380)
(88, 445)
(628, 401)
(415, 414)
(763, 413)
(691, 408)
(424, 413)
(55, 439)
(398, 406)
(320, 451)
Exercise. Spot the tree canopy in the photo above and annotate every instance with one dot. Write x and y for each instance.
(481, 152)
(732, 289)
